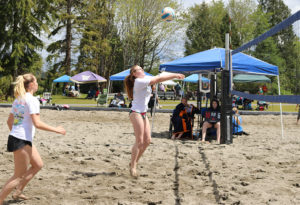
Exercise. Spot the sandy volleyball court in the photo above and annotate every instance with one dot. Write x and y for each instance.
(90, 164)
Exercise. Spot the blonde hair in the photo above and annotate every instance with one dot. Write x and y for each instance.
(235, 110)
(22, 84)
(129, 82)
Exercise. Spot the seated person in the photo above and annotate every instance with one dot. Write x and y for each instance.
(247, 104)
(91, 94)
(182, 118)
(262, 105)
(237, 128)
(212, 119)
(118, 101)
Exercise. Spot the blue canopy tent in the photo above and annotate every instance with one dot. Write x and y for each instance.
(61, 79)
(120, 77)
(194, 79)
(214, 59)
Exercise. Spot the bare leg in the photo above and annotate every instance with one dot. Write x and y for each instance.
(180, 135)
(218, 127)
(138, 126)
(36, 165)
(204, 128)
(146, 138)
(21, 161)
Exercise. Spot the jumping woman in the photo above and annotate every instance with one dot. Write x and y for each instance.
(138, 87)
(22, 121)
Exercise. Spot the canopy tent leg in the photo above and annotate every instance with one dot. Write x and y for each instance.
(107, 92)
(182, 91)
(153, 120)
(281, 119)
(51, 88)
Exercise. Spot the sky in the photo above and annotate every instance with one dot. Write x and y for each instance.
(177, 48)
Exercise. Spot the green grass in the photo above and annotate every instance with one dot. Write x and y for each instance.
(166, 104)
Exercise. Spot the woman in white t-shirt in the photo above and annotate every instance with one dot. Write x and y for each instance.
(22, 121)
(138, 87)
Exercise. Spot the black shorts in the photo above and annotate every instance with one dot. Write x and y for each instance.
(14, 143)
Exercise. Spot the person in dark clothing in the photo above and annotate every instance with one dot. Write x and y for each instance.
(152, 99)
(182, 118)
(212, 119)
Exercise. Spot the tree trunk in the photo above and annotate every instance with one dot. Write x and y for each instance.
(68, 39)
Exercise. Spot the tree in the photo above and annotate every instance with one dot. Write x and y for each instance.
(143, 34)
(267, 49)
(285, 41)
(240, 13)
(201, 33)
(61, 51)
(209, 24)
(100, 46)
(21, 24)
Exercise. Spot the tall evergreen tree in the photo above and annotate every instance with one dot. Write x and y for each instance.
(285, 41)
(100, 47)
(21, 24)
(209, 24)
(67, 12)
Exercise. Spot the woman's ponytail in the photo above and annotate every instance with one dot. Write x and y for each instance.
(21, 84)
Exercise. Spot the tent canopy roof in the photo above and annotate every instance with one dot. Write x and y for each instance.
(194, 79)
(87, 77)
(62, 79)
(243, 78)
(122, 75)
(214, 59)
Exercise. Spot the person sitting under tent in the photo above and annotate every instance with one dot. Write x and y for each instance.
(212, 119)
(91, 94)
(182, 118)
(237, 128)
(118, 101)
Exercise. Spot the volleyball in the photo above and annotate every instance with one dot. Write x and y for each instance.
(167, 14)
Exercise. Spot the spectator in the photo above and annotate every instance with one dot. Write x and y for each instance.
(237, 128)
(212, 119)
(260, 91)
(178, 89)
(182, 118)
(152, 99)
(265, 89)
(161, 87)
(118, 101)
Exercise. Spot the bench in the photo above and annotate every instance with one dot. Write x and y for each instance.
(166, 95)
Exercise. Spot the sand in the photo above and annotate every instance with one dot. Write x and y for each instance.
(90, 164)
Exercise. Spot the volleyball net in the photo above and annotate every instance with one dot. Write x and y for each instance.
(293, 99)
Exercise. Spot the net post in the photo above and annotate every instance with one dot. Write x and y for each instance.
(226, 101)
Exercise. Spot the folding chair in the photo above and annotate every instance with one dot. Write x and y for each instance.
(101, 100)
(47, 97)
